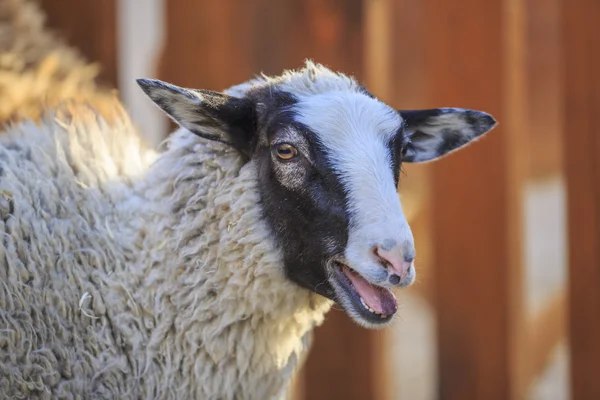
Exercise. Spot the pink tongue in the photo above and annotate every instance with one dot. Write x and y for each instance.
(381, 300)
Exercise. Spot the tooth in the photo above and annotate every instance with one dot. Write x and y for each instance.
(362, 301)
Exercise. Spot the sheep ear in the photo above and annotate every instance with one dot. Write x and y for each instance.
(211, 115)
(434, 133)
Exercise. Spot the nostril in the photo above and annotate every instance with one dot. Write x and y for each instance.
(396, 261)
(381, 256)
(376, 251)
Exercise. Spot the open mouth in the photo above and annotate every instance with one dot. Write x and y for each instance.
(375, 305)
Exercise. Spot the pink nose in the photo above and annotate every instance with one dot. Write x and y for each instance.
(395, 260)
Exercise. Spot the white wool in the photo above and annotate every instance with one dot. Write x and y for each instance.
(128, 274)
(313, 78)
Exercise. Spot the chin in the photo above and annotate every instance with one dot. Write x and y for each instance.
(367, 304)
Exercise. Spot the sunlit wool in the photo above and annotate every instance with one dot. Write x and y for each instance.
(131, 275)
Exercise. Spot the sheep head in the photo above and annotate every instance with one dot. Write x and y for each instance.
(328, 155)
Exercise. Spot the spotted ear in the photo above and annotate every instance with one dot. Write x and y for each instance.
(211, 115)
(434, 133)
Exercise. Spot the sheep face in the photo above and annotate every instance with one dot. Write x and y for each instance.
(328, 156)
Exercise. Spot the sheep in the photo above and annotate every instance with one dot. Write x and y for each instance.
(38, 70)
(200, 271)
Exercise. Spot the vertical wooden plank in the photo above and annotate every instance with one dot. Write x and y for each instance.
(475, 60)
(208, 44)
(515, 104)
(326, 31)
(545, 331)
(544, 83)
(90, 27)
(581, 19)
(378, 32)
(141, 27)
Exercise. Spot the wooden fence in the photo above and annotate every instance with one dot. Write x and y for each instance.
(532, 63)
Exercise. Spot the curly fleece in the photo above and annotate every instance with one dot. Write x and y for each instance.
(130, 274)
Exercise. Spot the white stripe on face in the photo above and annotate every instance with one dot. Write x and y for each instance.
(355, 129)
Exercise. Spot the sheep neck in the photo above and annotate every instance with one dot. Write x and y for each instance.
(213, 279)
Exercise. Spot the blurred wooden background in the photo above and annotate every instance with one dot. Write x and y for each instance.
(533, 64)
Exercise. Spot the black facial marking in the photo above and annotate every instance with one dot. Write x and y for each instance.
(397, 145)
(270, 101)
(310, 225)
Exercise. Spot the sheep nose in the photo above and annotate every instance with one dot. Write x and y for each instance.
(397, 261)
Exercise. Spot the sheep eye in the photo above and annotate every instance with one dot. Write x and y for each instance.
(285, 151)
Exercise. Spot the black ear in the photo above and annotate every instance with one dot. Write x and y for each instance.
(434, 133)
(211, 115)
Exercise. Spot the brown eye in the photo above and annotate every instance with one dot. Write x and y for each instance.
(285, 151)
